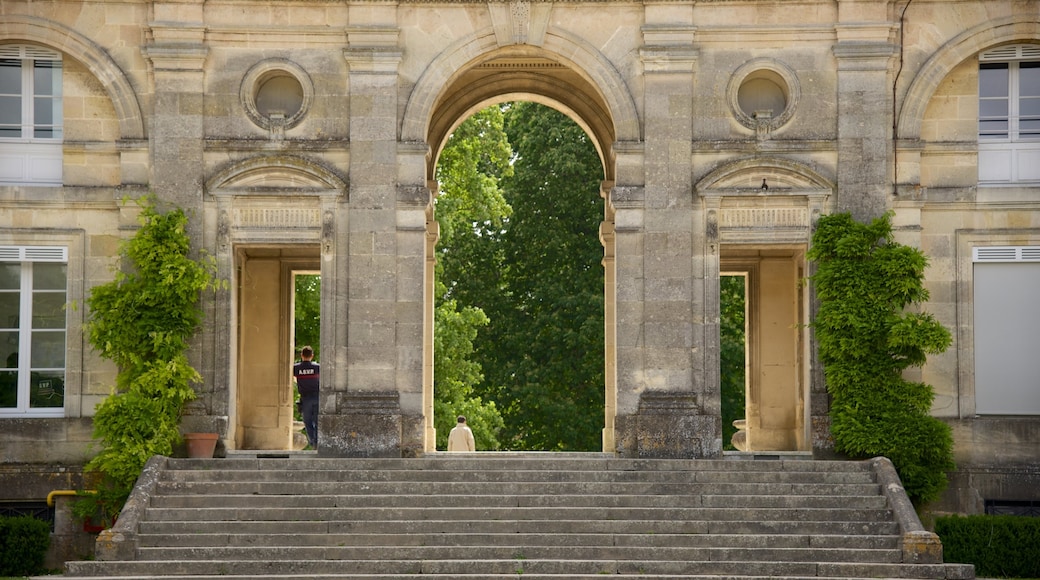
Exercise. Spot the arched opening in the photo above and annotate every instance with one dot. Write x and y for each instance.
(512, 76)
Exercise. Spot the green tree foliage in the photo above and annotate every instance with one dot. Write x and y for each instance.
(519, 224)
(456, 375)
(733, 361)
(143, 321)
(307, 300)
(866, 337)
(471, 212)
(544, 353)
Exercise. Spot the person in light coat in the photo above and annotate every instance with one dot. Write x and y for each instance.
(461, 437)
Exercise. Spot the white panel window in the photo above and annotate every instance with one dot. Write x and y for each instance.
(1007, 330)
(32, 330)
(1009, 115)
(30, 115)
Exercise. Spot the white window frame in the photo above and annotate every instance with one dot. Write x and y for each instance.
(1005, 326)
(1010, 159)
(28, 256)
(28, 159)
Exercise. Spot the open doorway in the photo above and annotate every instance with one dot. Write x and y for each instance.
(733, 357)
(267, 279)
(775, 342)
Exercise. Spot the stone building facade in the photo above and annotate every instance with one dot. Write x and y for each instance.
(303, 135)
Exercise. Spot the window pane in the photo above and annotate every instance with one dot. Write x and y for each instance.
(49, 276)
(9, 350)
(8, 389)
(47, 389)
(993, 108)
(43, 111)
(993, 80)
(47, 78)
(1029, 79)
(48, 310)
(48, 350)
(9, 308)
(47, 121)
(1029, 128)
(1029, 107)
(10, 275)
(11, 113)
(993, 129)
(10, 76)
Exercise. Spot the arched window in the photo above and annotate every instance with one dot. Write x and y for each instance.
(1009, 115)
(30, 115)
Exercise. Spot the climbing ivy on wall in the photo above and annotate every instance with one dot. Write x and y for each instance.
(143, 321)
(866, 337)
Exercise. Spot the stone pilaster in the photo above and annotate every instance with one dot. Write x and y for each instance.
(177, 54)
(664, 359)
(864, 54)
(362, 414)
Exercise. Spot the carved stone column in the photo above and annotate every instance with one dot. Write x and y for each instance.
(661, 358)
(365, 418)
(864, 56)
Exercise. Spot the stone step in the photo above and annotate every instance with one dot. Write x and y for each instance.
(522, 552)
(383, 514)
(512, 576)
(459, 516)
(303, 487)
(476, 462)
(634, 526)
(247, 501)
(526, 567)
(448, 539)
(516, 476)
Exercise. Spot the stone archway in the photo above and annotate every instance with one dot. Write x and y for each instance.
(511, 74)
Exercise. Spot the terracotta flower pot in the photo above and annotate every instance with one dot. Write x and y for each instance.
(200, 445)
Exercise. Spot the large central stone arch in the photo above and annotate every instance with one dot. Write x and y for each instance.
(583, 86)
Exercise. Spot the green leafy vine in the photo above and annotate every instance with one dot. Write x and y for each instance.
(865, 281)
(143, 320)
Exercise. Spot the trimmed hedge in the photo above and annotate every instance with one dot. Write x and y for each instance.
(998, 546)
(23, 545)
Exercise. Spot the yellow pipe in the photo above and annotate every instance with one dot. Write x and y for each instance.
(57, 492)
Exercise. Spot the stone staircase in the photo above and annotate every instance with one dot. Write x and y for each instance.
(485, 515)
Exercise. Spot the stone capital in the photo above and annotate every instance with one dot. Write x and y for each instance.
(176, 57)
(857, 55)
(668, 59)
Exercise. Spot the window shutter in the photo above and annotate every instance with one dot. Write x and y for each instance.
(1006, 254)
(1012, 52)
(28, 51)
(34, 254)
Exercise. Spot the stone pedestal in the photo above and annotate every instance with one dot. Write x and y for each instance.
(367, 424)
(669, 426)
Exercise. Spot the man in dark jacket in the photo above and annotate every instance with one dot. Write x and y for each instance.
(307, 373)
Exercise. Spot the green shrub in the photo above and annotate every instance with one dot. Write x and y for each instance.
(23, 545)
(865, 281)
(998, 546)
(143, 320)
